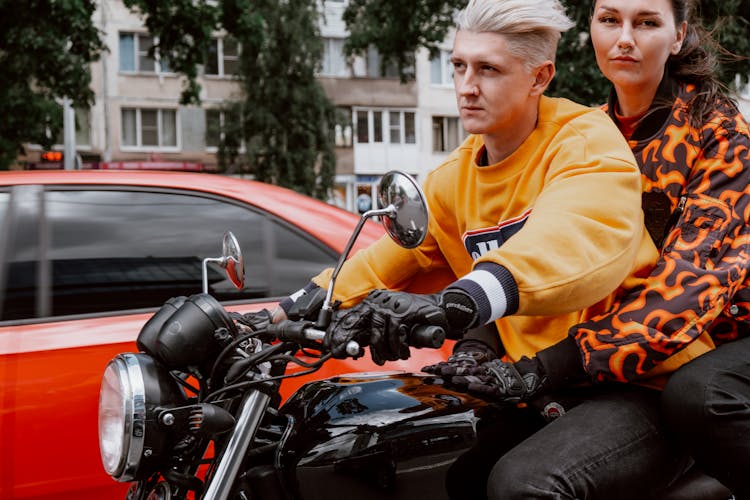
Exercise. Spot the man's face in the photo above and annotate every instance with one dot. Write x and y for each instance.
(493, 88)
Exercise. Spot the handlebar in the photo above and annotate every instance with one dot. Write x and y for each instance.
(429, 336)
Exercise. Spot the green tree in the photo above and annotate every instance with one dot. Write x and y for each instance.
(284, 119)
(46, 49)
(397, 29)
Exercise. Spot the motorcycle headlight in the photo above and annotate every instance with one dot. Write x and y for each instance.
(130, 438)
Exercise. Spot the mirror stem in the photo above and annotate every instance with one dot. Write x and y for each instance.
(326, 312)
(204, 270)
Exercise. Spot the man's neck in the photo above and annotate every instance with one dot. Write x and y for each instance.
(501, 144)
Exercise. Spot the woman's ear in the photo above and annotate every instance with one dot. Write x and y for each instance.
(543, 75)
(681, 33)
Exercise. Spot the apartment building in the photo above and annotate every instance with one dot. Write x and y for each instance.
(138, 123)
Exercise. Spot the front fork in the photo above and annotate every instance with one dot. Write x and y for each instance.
(221, 482)
(252, 409)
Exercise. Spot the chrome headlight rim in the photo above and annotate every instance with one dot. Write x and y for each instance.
(129, 374)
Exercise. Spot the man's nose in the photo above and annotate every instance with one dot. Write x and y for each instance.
(468, 84)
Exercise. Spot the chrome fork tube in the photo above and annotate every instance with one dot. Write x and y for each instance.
(251, 412)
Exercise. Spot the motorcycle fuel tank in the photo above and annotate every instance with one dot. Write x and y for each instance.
(378, 435)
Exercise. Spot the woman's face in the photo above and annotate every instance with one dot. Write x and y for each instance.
(633, 39)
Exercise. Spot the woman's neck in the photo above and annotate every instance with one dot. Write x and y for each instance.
(635, 101)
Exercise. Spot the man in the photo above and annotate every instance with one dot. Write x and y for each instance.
(537, 217)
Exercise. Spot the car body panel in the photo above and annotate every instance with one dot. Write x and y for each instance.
(51, 368)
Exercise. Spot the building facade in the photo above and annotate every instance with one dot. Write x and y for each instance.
(137, 121)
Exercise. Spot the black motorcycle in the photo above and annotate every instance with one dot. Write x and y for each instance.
(197, 412)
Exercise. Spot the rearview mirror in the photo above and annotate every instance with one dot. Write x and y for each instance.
(407, 224)
(231, 260)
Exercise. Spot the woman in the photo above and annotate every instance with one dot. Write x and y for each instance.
(692, 146)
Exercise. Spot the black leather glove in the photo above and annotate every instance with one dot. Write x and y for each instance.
(504, 382)
(258, 320)
(384, 320)
(467, 354)
(553, 368)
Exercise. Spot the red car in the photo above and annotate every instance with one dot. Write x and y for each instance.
(87, 256)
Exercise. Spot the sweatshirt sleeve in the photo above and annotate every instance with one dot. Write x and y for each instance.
(704, 261)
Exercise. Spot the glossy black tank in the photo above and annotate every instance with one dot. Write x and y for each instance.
(378, 435)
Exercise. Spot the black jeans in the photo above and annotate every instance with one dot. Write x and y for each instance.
(611, 445)
(707, 405)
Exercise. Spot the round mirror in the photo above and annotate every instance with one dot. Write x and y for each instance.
(407, 222)
(232, 260)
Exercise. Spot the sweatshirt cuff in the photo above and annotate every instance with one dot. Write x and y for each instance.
(287, 302)
(493, 289)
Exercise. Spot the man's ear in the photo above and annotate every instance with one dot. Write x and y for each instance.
(543, 75)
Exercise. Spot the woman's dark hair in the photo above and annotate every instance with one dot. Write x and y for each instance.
(697, 63)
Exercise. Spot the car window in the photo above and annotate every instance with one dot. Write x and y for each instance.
(111, 250)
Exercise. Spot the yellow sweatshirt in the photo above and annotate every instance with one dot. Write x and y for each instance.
(541, 240)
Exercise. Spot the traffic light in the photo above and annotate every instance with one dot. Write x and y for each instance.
(52, 156)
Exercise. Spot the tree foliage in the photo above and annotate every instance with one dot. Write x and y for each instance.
(284, 118)
(397, 29)
(46, 49)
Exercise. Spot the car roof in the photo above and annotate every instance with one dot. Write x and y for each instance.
(331, 224)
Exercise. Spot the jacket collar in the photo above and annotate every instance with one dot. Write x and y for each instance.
(658, 112)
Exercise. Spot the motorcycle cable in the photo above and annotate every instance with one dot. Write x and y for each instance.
(229, 348)
(249, 383)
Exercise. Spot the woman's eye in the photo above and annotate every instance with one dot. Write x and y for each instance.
(607, 20)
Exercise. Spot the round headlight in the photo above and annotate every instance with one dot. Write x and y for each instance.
(130, 440)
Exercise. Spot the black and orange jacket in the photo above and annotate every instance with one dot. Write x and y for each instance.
(697, 205)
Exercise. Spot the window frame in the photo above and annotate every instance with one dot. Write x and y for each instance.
(221, 58)
(159, 69)
(446, 69)
(445, 131)
(139, 146)
(386, 127)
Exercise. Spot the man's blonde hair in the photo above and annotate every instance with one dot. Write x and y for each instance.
(532, 27)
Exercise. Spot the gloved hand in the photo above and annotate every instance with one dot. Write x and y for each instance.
(258, 320)
(467, 354)
(384, 320)
(504, 382)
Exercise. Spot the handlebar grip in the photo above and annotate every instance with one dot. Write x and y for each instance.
(427, 336)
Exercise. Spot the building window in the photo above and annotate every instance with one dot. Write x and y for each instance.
(441, 69)
(447, 133)
(153, 128)
(223, 58)
(400, 126)
(334, 61)
(342, 129)
(83, 129)
(374, 70)
(214, 132)
(134, 56)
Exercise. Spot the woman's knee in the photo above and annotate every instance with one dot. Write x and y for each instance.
(683, 401)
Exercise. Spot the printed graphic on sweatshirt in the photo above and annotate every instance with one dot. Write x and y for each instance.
(480, 241)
